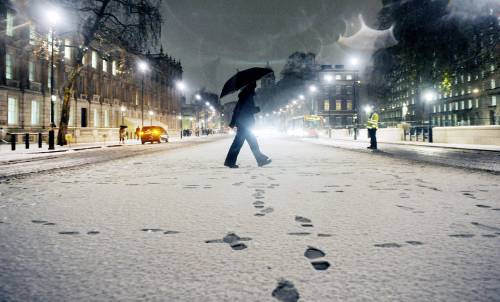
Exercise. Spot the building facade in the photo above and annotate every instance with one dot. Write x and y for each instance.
(110, 90)
(337, 97)
(467, 94)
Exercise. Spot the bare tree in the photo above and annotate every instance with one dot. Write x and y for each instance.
(130, 25)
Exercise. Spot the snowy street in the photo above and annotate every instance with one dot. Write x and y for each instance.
(176, 225)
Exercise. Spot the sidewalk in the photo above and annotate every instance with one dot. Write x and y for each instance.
(364, 141)
(6, 154)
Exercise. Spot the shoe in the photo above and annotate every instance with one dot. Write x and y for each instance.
(267, 161)
(232, 166)
(369, 148)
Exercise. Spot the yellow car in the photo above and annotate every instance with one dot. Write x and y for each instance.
(151, 134)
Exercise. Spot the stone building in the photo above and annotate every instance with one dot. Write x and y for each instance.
(108, 90)
(466, 95)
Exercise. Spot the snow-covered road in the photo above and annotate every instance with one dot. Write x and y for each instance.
(338, 225)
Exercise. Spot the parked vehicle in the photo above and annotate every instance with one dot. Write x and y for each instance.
(151, 134)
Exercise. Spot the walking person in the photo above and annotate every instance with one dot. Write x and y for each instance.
(372, 126)
(137, 133)
(122, 134)
(243, 119)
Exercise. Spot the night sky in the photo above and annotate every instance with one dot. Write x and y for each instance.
(213, 38)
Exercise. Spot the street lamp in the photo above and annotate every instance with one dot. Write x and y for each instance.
(53, 17)
(198, 97)
(123, 109)
(328, 78)
(179, 117)
(354, 61)
(302, 97)
(368, 109)
(312, 89)
(151, 114)
(181, 86)
(429, 96)
(143, 68)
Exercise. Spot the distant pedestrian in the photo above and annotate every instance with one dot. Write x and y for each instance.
(137, 133)
(243, 119)
(372, 126)
(122, 134)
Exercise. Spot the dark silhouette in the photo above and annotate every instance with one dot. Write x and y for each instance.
(243, 119)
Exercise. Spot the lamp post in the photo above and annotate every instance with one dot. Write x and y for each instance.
(429, 97)
(52, 17)
(179, 117)
(143, 68)
(151, 114)
(123, 109)
(312, 89)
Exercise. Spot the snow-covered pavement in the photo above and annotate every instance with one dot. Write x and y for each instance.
(329, 224)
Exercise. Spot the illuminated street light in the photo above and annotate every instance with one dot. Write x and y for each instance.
(181, 86)
(294, 102)
(354, 61)
(429, 96)
(197, 97)
(368, 109)
(313, 88)
(328, 78)
(151, 114)
(143, 66)
(53, 16)
(302, 97)
(475, 90)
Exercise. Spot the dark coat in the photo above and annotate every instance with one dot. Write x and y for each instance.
(244, 110)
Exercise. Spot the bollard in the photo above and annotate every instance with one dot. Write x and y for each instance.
(39, 140)
(27, 140)
(51, 139)
(13, 139)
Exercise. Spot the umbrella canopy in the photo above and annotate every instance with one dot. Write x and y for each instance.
(243, 78)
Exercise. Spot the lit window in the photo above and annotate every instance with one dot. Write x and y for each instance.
(13, 113)
(469, 104)
(462, 105)
(113, 68)
(338, 77)
(94, 59)
(492, 68)
(338, 105)
(468, 78)
(96, 118)
(349, 105)
(9, 30)
(348, 77)
(106, 118)
(104, 65)
(35, 113)
(493, 100)
(326, 105)
(477, 103)
(493, 84)
(67, 49)
(8, 67)
(434, 109)
(456, 105)
(31, 72)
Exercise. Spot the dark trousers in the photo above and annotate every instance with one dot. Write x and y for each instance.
(372, 132)
(243, 134)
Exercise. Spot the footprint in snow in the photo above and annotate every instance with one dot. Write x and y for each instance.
(388, 245)
(302, 219)
(286, 291)
(299, 233)
(233, 240)
(412, 242)
(315, 253)
(482, 206)
(486, 227)
(151, 230)
(461, 235)
(69, 233)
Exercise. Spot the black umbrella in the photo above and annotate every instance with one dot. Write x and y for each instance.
(243, 78)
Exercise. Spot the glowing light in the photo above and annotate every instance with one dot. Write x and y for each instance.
(354, 61)
(302, 97)
(53, 16)
(198, 97)
(328, 78)
(429, 95)
(181, 86)
(151, 113)
(475, 90)
(313, 88)
(368, 109)
(143, 66)
(123, 108)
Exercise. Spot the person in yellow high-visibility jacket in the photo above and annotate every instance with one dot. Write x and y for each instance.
(372, 126)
